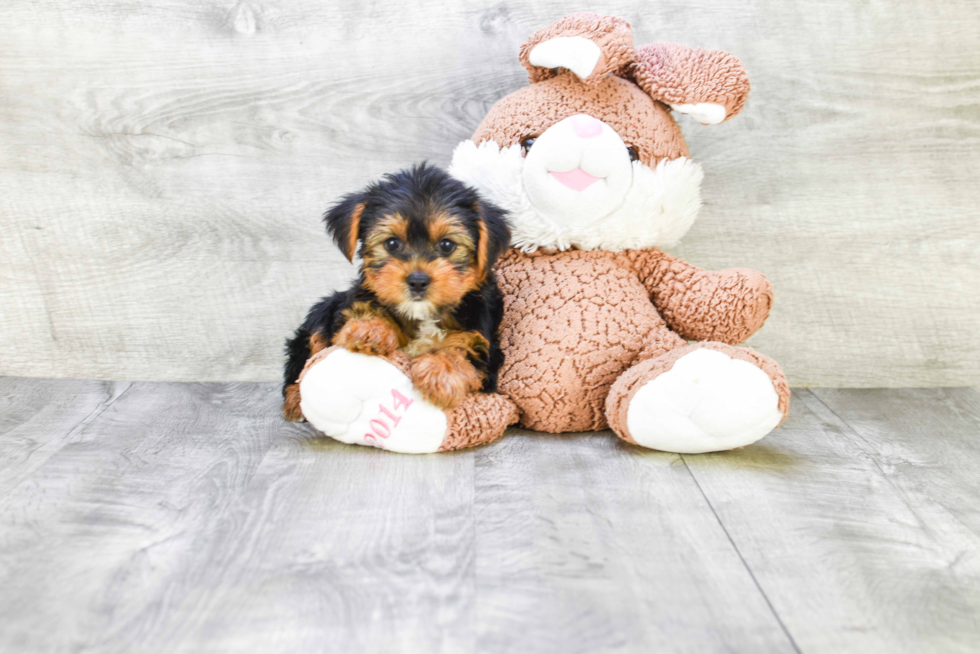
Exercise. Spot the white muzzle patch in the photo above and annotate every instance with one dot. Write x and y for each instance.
(578, 188)
(578, 171)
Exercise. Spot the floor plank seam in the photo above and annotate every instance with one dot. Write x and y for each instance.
(856, 437)
(19, 424)
(98, 411)
(850, 430)
(741, 558)
(68, 437)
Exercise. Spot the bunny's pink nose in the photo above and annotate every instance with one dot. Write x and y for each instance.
(586, 126)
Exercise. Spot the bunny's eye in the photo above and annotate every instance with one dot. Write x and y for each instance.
(526, 144)
(634, 153)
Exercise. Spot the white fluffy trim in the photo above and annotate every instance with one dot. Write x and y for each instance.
(659, 207)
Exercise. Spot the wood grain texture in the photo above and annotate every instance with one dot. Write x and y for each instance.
(165, 163)
(911, 432)
(39, 416)
(191, 518)
(857, 535)
(343, 551)
(585, 544)
(107, 545)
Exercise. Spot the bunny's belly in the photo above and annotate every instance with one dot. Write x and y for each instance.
(573, 322)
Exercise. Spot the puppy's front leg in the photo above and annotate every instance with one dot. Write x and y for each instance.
(290, 406)
(445, 376)
(369, 330)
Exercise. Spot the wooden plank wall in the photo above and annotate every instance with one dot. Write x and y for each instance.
(164, 163)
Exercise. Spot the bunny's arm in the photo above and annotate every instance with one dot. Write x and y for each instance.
(724, 305)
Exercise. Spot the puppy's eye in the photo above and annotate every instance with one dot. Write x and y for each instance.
(634, 152)
(445, 246)
(393, 244)
(526, 144)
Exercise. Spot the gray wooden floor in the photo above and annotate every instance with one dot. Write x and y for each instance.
(191, 518)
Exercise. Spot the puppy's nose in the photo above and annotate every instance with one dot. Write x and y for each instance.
(418, 282)
(585, 126)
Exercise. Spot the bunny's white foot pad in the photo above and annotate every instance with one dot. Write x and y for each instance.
(364, 400)
(706, 402)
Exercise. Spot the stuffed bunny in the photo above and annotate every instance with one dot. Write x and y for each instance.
(593, 170)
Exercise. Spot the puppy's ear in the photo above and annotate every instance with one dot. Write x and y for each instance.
(344, 223)
(494, 235)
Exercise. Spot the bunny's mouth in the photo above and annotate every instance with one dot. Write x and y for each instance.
(577, 179)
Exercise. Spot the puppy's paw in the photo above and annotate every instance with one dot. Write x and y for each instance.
(444, 378)
(290, 406)
(375, 336)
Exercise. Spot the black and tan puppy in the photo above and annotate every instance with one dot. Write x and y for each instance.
(426, 286)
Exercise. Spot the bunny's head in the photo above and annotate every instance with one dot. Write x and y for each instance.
(588, 155)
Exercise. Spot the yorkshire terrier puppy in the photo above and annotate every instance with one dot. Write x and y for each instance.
(427, 244)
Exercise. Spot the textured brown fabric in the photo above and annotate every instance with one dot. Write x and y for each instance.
(680, 74)
(702, 305)
(573, 322)
(622, 392)
(614, 36)
(315, 359)
(480, 418)
(637, 118)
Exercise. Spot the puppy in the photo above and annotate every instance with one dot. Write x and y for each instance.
(425, 286)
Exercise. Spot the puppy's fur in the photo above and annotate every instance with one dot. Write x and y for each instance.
(425, 286)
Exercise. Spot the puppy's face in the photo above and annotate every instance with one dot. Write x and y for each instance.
(422, 263)
(426, 239)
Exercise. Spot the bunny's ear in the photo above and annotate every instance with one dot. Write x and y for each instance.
(710, 85)
(587, 44)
